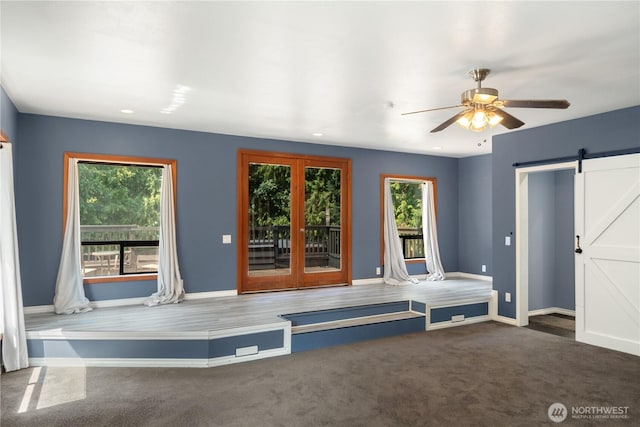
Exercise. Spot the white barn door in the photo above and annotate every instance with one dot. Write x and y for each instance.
(607, 209)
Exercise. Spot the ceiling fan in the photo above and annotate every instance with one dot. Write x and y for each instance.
(483, 107)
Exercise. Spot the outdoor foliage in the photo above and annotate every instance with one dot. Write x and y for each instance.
(270, 195)
(119, 195)
(322, 196)
(407, 203)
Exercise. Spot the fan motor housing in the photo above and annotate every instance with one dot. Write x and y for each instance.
(481, 95)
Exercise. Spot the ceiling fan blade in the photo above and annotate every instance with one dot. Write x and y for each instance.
(508, 120)
(431, 109)
(535, 103)
(449, 122)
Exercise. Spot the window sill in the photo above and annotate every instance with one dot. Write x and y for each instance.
(127, 278)
(414, 261)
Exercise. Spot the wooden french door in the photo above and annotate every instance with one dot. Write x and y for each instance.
(608, 253)
(294, 221)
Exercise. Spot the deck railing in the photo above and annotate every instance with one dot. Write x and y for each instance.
(412, 242)
(113, 250)
(270, 247)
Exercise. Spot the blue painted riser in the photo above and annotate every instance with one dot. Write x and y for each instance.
(318, 339)
(470, 310)
(335, 314)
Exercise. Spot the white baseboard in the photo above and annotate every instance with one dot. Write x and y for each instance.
(461, 275)
(451, 275)
(211, 294)
(507, 320)
(373, 281)
(35, 309)
(552, 310)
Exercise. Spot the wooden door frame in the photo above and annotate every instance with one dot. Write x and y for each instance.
(298, 162)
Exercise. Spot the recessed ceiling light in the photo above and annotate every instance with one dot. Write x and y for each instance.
(436, 148)
(126, 111)
(317, 134)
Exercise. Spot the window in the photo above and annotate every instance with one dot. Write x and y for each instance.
(119, 216)
(406, 193)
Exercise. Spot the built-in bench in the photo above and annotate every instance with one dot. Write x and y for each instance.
(322, 328)
(74, 341)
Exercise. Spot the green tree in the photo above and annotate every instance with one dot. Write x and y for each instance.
(119, 195)
(322, 196)
(407, 204)
(269, 194)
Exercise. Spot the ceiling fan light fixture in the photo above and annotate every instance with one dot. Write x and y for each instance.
(477, 119)
(474, 120)
(480, 95)
(493, 118)
(465, 120)
(484, 108)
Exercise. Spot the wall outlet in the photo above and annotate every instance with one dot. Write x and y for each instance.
(507, 296)
(377, 271)
(484, 268)
(226, 239)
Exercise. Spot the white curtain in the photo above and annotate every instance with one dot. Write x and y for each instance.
(170, 287)
(14, 341)
(69, 297)
(430, 234)
(395, 269)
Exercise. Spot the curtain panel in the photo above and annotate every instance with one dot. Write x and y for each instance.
(395, 269)
(435, 271)
(69, 297)
(14, 342)
(170, 286)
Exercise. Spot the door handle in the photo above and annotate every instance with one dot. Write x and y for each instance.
(578, 248)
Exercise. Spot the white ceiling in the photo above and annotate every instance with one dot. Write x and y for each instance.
(286, 70)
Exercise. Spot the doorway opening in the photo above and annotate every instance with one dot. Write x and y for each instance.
(545, 273)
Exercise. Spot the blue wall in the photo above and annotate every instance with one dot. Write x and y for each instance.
(614, 130)
(474, 214)
(206, 199)
(564, 277)
(8, 117)
(551, 240)
(541, 240)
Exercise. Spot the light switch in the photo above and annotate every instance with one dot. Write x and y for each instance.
(226, 239)
(507, 240)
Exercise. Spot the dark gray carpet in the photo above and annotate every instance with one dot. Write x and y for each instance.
(486, 374)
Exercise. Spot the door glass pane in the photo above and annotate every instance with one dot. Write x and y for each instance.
(269, 219)
(322, 220)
